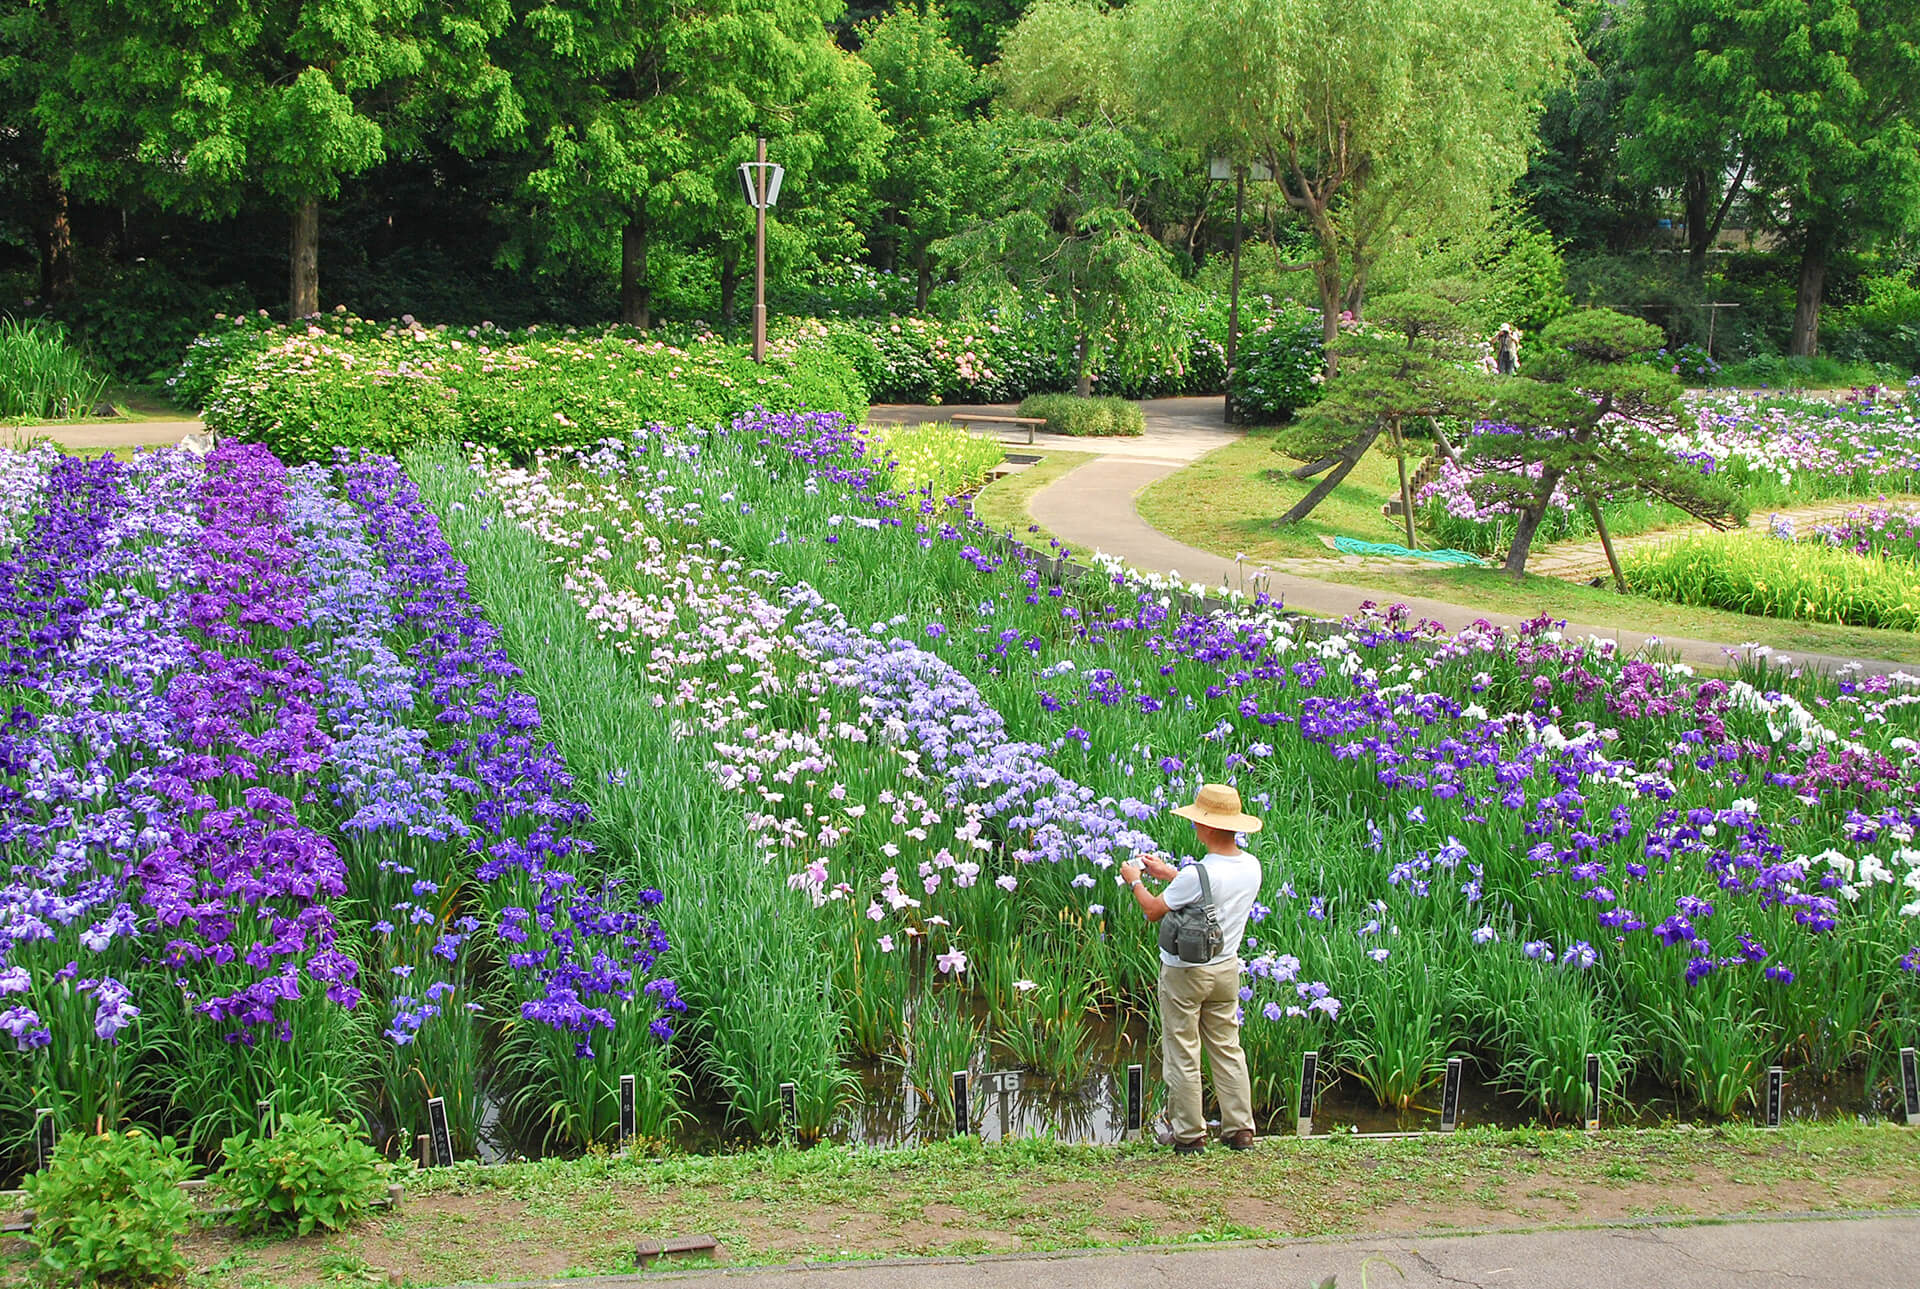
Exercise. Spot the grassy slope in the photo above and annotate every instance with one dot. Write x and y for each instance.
(1226, 503)
(775, 1205)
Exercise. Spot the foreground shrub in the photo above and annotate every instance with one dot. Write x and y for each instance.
(1774, 579)
(109, 1209)
(312, 1174)
(1071, 414)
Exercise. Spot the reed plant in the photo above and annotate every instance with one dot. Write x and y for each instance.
(43, 376)
(1804, 582)
(757, 976)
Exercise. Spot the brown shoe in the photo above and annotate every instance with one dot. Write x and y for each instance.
(1241, 1140)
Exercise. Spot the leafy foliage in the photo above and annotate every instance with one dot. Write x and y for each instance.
(347, 381)
(1380, 121)
(1802, 581)
(311, 1175)
(1278, 366)
(109, 1209)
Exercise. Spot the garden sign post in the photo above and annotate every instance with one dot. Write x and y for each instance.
(761, 183)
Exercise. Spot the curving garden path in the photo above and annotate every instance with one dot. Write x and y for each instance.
(1093, 506)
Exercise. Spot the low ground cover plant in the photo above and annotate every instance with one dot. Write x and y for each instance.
(1071, 414)
(43, 375)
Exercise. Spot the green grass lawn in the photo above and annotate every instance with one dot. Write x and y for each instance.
(1229, 500)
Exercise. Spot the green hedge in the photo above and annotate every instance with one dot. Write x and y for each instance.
(344, 381)
(1071, 414)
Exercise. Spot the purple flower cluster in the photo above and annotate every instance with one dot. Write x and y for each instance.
(581, 951)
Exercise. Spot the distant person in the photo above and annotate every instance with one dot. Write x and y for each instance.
(1200, 1001)
(1506, 349)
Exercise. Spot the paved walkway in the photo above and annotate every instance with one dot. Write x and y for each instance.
(1860, 1252)
(106, 434)
(1179, 430)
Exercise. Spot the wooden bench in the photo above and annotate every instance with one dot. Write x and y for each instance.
(1029, 421)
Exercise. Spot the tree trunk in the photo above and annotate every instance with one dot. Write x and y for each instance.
(1348, 460)
(1312, 468)
(729, 283)
(1606, 544)
(1355, 299)
(923, 291)
(56, 246)
(1530, 521)
(1083, 374)
(1699, 223)
(1406, 493)
(1805, 340)
(636, 291)
(303, 301)
(1328, 280)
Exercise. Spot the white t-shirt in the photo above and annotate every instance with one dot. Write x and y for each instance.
(1236, 884)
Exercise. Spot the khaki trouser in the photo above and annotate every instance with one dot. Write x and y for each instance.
(1199, 1005)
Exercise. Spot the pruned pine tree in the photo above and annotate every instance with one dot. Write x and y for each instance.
(1413, 361)
(1590, 414)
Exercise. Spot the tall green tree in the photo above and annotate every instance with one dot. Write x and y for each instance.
(205, 105)
(1576, 181)
(1810, 108)
(1836, 124)
(31, 45)
(1066, 225)
(1381, 120)
(930, 183)
(1590, 414)
(643, 110)
(1683, 118)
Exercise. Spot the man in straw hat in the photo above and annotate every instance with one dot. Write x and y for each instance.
(1200, 1002)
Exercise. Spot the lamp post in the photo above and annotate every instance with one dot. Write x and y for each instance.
(760, 181)
(1221, 168)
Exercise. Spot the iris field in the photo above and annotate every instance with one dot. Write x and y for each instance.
(710, 757)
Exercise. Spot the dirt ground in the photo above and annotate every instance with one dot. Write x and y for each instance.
(557, 1219)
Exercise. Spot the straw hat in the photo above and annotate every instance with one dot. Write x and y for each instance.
(1218, 806)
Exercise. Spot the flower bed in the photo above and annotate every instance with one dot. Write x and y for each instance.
(883, 772)
(263, 784)
(1508, 846)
